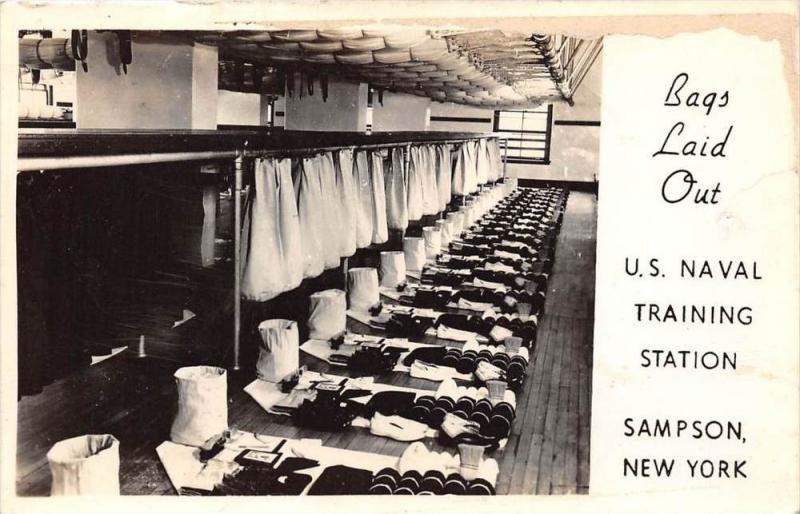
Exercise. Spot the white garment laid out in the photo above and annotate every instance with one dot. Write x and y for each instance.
(397, 428)
(279, 353)
(364, 206)
(414, 186)
(327, 314)
(202, 405)
(380, 229)
(444, 175)
(430, 193)
(272, 258)
(393, 269)
(414, 251)
(396, 194)
(363, 291)
(433, 241)
(346, 194)
(309, 203)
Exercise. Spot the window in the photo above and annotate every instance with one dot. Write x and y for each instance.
(528, 134)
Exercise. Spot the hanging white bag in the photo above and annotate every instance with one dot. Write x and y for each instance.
(393, 269)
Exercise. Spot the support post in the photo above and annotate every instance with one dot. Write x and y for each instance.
(505, 157)
(237, 256)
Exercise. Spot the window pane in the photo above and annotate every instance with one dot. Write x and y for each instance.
(535, 122)
(510, 123)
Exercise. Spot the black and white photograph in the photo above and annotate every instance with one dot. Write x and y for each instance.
(335, 260)
(295, 256)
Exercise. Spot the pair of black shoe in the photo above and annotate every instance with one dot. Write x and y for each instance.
(432, 482)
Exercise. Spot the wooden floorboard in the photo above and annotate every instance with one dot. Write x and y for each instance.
(547, 452)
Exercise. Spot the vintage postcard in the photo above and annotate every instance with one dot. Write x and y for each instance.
(493, 256)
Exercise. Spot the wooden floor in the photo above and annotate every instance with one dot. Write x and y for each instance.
(547, 453)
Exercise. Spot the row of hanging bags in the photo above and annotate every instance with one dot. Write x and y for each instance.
(395, 180)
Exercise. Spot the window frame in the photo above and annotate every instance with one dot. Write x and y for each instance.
(519, 136)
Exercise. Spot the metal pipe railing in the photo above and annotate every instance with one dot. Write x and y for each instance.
(240, 158)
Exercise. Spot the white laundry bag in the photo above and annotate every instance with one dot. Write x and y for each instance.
(327, 314)
(380, 228)
(309, 207)
(393, 269)
(445, 229)
(202, 404)
(330, 218)
(433, 241)
(364, 205)
(396, 194)
(347, 195)
(362, 288)
(271, 240)
(414, 187)
(86, 465)
(279, 353)
(414, 251)
(430, 193)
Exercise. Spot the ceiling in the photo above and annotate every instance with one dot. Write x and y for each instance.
(487, 68)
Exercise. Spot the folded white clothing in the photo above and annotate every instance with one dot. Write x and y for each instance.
(499, 266)
(362, 288)
(499, 333)
(454, 334)
(489, 285)
(463, 303)
(435, 373)
(508, 255)
(327, 314)
(397, 428)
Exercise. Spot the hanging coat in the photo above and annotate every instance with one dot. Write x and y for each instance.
(271, 239)
(364, 207)
(396, 194)
(347, 195)
(380, 230)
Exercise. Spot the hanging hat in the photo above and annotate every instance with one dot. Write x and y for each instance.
(362, 288)
(393, 269)
(445, 229)
(414, 250)
(279, 353)
(327, 314)
(433, 241)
